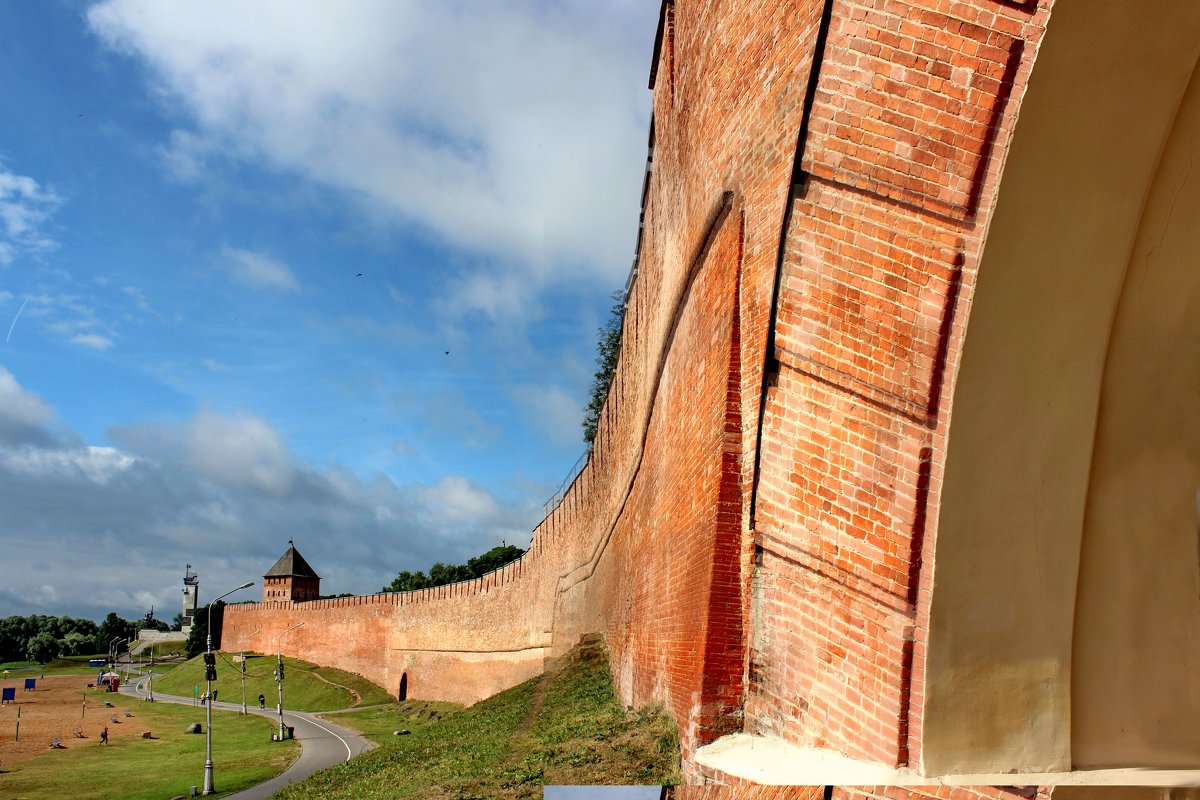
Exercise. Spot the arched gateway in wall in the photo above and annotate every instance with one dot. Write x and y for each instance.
(901, 455)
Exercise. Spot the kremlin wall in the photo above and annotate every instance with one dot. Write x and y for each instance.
(900, 459)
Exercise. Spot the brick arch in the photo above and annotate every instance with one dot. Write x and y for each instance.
(1043, 608)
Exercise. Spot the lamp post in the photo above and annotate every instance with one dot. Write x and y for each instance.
(113, 649)
(244, 668)
(210, 672)
(150, 697)
(279, 675)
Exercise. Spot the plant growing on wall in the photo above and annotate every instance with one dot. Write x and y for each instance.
(608, 347)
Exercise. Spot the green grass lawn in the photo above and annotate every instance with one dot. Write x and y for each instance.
(380, 724)
(161, 650)
(153, 769)
(70, 665)
(509, 745)
(306, 686)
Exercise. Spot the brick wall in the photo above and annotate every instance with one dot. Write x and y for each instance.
(754, 530)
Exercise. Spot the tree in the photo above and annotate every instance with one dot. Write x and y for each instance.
(76, 644)
(608, 347)
(493, 559)
(112, 628)
(42, 648)
(408, 582)
(198, 637)
(440, 574)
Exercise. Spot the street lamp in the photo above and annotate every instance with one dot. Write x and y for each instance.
(279, 674)
(244, 668)
(210, 673)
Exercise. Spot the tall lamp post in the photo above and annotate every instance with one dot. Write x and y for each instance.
(244, 668)
(279, 675)
(210, 673)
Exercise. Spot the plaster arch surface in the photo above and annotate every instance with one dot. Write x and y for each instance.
(1064, 620)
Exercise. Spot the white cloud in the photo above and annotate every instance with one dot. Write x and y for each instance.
(513, 129)
(96, 465)
(95, 341)
(24, 206)
(239, 451)
(259, 270)
(222, 492)
(24, 417)
(214, 366)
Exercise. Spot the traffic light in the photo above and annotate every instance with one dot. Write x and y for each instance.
(280, 672)
(210, 666)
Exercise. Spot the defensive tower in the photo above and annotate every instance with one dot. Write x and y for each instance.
(291, 579)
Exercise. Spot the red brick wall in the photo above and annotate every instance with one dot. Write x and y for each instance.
(912, 114)
(776, 583)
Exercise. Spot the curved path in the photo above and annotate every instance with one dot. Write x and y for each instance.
(322, 743)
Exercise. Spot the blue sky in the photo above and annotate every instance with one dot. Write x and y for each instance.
(329, 272)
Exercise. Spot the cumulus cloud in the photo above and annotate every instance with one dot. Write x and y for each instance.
(258, 270)
(24, 206)
(524, 138)
(95, 341)
(223, 492)
(24, 417)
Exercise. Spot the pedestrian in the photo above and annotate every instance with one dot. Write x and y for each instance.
(214, 697)
(104, 736)
(262, 702)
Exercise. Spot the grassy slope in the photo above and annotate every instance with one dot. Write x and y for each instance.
(379, 724)
(303, 690)
(563, 728)
(140, 769)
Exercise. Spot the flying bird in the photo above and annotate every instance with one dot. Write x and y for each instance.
(359, 275)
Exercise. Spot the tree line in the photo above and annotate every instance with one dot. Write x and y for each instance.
(43, 638)
(440, 574)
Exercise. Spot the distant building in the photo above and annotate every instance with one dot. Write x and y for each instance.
(291, 579)
(191, 597)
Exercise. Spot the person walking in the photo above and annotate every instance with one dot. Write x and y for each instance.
(104, 736)
(262, 702)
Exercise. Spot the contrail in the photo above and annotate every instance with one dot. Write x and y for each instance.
(14, 322)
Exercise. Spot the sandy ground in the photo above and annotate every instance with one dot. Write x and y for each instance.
(55, 709)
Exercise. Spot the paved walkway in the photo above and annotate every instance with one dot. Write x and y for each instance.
(323, 744)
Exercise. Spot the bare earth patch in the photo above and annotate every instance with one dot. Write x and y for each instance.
(59, 705)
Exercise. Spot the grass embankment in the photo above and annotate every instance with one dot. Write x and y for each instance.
(380, 724)
(153, 769)
(161, 650)
(563, 728)
(306, 686)
(67, 665)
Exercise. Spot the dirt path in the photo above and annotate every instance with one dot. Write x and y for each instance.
(357, 697)
(521, 733)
